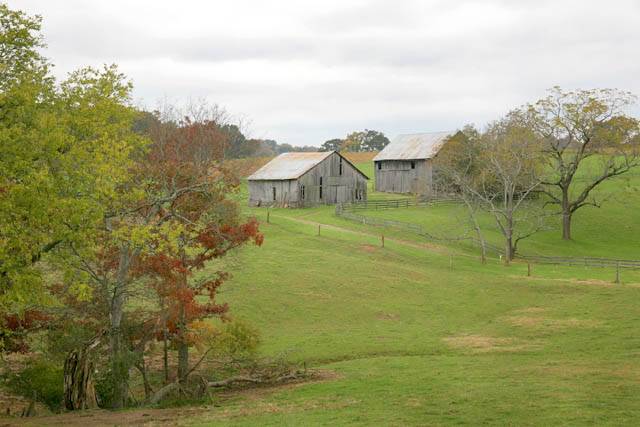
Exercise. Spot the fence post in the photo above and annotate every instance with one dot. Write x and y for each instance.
(618, 272)
(383, 240)
(528, 269)
(267, 216)
(318, 229)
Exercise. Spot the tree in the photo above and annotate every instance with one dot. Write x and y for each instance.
(200, 226)
(178, 218)
(373, 140)
(28, 139)
(588, 139)
(366, 140)
(332, 145)
(497, 171)
(457, 168)
(20, 41)
(510, 173)
(64, 152)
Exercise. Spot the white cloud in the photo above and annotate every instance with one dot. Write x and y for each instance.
(307, 71)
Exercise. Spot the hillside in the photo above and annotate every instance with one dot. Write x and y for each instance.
(420, 333)
(412, 340)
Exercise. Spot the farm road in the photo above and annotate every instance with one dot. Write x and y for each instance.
(428, 246)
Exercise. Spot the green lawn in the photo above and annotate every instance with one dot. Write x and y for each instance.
(413, 341)
(612, 230)
(429, 336)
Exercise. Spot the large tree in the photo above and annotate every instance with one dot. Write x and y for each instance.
(588, 139)
(64, 151)
(332, 145)
(366, 140)
(173, 211)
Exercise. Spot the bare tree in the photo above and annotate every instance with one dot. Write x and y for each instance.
(497, 172)
(457, 166)
(581, 125)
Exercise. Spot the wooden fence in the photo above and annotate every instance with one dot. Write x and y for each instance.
(411, 228)
(394, 203)
(348, 212)
(581, 261)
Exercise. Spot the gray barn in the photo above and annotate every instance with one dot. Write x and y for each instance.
(306, 179)
(405, 165)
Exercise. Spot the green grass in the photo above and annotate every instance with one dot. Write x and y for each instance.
(552, 350)
(608, 231)
(433, 337)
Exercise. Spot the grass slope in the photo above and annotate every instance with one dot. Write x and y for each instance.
(414, 341)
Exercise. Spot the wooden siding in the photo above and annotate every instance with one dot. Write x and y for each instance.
(336, 188)
(261, 192)
(397, 176)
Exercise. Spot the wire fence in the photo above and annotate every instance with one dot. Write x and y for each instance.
(349, 212)
(413, 228)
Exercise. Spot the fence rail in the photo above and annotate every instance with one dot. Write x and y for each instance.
(412, 228)
(347, 212)
(582, 261)
(395, 203)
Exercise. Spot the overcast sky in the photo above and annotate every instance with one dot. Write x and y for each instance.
(303, 72)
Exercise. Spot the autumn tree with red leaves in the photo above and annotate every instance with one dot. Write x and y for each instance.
(174, 216)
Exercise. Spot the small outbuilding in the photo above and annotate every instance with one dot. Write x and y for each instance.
(306, 179)
(405, 165)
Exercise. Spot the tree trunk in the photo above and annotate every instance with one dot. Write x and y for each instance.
(165, 355)
(566, 215)
(183, 360)
(508, 239)
(142, 368)
(508, 251)
(183, 348)
(119, 370)
(119, 360)
(566, 225)
(79, 390)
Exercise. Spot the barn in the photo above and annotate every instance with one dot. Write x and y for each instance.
(405, 165)
(307, 179)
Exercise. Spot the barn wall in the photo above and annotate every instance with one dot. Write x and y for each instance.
(396, 176)
(336, 188)
(261, 192)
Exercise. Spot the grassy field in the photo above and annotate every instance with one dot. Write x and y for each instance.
(413, 341)
(608, 231)
(422, 334)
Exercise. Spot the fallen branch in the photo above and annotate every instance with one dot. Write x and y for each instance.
(233, 380)
(256, 380)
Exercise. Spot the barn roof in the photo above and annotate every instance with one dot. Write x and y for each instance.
(414, 146)
(293, 165)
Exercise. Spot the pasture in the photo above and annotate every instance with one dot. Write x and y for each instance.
(410, 340)
(409, 334)
(418, 333)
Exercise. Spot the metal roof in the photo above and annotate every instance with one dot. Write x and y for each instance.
(414, 146)
(289, 165)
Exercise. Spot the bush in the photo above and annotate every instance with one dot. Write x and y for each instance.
(42, 379)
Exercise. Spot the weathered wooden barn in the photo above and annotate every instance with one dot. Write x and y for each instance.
(307, 179)
(405, 165)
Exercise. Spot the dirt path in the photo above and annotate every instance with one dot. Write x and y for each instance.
(428, 246)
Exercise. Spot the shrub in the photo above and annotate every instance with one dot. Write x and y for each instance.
(42, 379)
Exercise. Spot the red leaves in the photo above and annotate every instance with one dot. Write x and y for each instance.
(16, 326)
(183, 299)
(30, 319)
